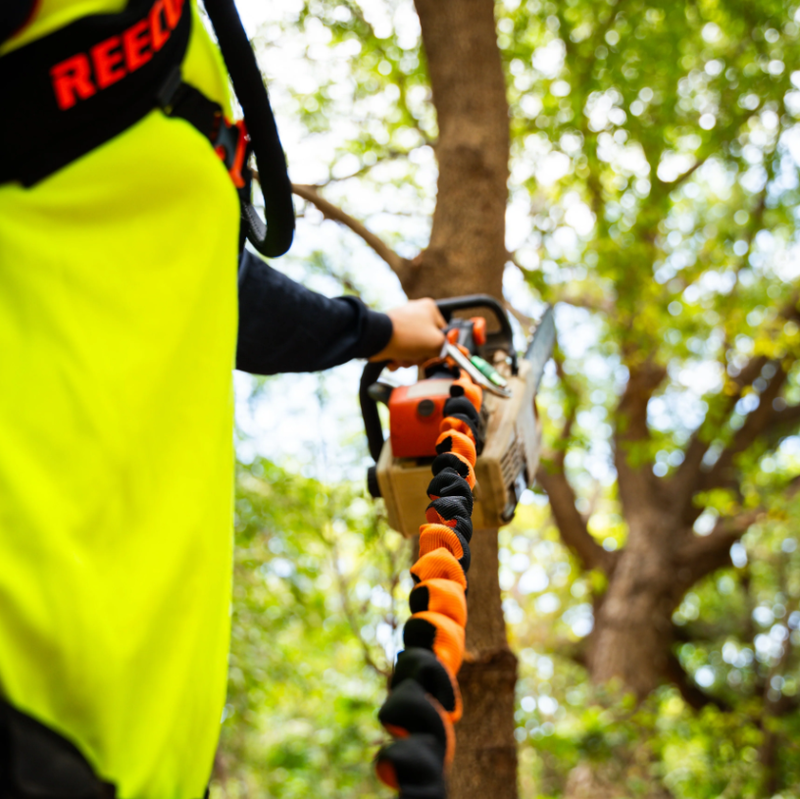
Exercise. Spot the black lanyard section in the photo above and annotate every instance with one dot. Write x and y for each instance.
(68, 92)
(276, 238)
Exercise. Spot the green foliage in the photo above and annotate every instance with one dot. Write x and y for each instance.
(654, 151)
(314, 617)
(653, 148)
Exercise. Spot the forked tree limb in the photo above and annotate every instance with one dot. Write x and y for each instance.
(644, 379)
(765, 422)
(703, 555)
(694, 696)
(551, 476)
(784, 423)
(689, 477)
(636, 480)
(756, 423)
(571, 525)
(399, 265)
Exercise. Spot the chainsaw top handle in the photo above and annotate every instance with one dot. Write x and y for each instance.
(499, 339)
(502, 339)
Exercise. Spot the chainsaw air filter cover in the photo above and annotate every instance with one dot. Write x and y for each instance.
(415, 414)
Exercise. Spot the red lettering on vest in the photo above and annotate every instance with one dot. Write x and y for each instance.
(136, 44)
(107, 59)
(158, 36)
(72, 81)
(115, 57)
(173, 9)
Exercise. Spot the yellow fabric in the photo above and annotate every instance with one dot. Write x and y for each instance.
(117, 339)
(54, 14)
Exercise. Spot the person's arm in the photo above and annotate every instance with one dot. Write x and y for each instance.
(284, 327)
(13, 15)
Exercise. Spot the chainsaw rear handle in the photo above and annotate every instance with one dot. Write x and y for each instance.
(502, 339)
(369, 407)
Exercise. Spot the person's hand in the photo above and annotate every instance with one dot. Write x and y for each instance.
(416, 336)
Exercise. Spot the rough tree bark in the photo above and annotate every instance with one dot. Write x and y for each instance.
(467, 254)
(662, 557)
(467, 246)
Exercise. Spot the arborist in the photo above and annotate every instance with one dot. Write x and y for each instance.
(124, 194)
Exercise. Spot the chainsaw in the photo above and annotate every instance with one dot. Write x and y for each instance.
(508, 432)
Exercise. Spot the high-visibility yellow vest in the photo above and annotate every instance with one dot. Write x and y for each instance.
(117, 340)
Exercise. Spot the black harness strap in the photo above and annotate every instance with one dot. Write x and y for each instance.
(80, 86)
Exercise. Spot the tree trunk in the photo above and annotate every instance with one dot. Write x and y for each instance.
(633, 628)
(632, 638)
(466, 251)
(467, 255)
(486, 752)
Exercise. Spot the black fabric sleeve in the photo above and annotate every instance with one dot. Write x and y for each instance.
(13, 15)
(284, 327)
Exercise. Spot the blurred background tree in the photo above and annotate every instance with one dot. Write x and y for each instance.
(652, 589)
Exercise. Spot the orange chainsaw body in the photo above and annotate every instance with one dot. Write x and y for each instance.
(415, 415)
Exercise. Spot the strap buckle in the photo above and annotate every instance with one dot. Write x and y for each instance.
(231, 144)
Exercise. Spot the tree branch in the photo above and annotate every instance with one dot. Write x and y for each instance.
(754, 425)
(571, 525)
(705, 554)
(690, 691)
(389, 155)
(636, 481)
(671, 185)
(689, 478)
(632, 409)
(784, 423)
(604, 305)
(526, 321)
(351, 619)
(400, 266)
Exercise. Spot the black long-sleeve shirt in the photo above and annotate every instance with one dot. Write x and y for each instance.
(284, 327)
